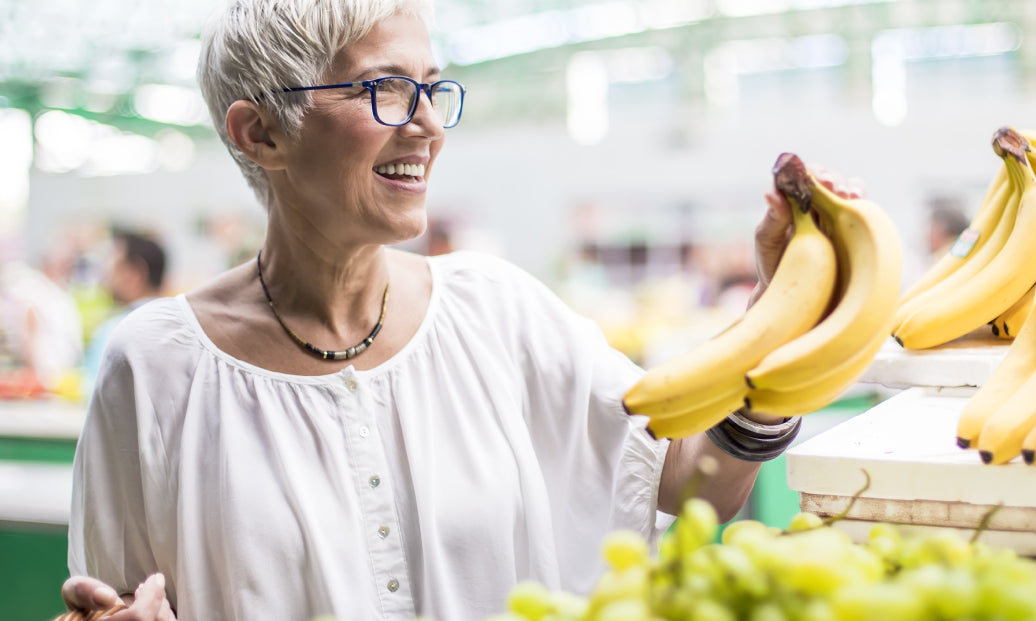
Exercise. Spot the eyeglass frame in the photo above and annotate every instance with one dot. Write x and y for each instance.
(371, 85)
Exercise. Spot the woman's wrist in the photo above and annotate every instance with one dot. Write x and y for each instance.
(750, 440)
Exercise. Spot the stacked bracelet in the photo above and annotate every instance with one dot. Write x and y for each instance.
(751, 441)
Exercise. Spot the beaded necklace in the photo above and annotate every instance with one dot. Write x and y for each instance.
(326, 354)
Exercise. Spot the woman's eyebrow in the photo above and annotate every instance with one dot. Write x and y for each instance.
(393, 69)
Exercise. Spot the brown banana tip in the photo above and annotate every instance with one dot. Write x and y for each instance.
(898, 340)
(748, 404)
(1007, 141)
(963, 442)
(1029, 456)
(626, 409)
(648, 431)
(996, 330)
(748, 380)
(791, 178)
(987, 457)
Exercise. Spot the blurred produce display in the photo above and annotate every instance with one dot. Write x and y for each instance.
(809, 571)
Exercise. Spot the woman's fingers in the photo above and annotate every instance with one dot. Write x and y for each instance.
(149, 603)
(851, 187)
(771, 235)
(85, 593)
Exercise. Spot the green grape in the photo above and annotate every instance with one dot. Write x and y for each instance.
(940, 548)
(710, 610)
(767, 611)
(816, 610)
(745, 530)
(949, 592)
(668, 548)
(869, 565)
(880, 601)
(696, 525)
(624, 610)
(530, 600)
(675, 603)
(625, 548)
(741, 575)
(1006, 595)
(614, 585)
(884, 530)
(805, 520)
(699, 573)
(817, 562)
(567, 607)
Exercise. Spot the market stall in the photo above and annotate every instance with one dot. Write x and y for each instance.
(903, 454)
(37, 443)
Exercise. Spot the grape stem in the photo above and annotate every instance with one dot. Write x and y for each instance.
(983, 524)
(831, 519)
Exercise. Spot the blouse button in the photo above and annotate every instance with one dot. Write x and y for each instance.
(393, 585)
(351, 385)
(383, 532)
(364, 432)
(374, 481)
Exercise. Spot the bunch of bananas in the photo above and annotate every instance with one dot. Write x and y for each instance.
(811, 334)
(987, 276)
(1000, 418)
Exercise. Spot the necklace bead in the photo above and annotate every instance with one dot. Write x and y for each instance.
(326, 354)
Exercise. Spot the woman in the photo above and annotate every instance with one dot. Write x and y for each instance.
(467, 434)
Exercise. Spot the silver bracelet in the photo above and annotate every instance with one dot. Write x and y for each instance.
(745, 439)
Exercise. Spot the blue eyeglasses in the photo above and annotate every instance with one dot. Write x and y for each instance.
(394, 98)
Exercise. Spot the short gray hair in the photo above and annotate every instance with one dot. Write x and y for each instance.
(252, 48)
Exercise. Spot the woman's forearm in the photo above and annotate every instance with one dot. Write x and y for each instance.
(726, 486)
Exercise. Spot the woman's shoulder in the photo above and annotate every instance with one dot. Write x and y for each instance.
(481, 268)
(158, 328)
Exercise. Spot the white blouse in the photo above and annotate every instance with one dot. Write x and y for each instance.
(492, 448)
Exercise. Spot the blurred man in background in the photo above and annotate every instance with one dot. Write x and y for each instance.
(135, 274)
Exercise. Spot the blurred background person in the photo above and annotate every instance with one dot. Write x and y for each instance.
(135, 274)
(41, 336)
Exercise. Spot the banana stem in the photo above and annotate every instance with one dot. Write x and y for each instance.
(791, 179)
(1008, 142)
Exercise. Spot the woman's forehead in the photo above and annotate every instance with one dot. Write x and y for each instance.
(397, 44)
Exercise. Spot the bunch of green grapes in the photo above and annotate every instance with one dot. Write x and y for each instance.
(810, 571)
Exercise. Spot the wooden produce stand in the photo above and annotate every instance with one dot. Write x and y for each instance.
(918, 477)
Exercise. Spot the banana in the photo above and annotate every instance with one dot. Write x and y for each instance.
(1007, 324)
(683, 405)
(868, 247)
(698, 419)
(977, 261)
(1002, 435)
(1018, 365)
(999, 283)
(794, 301)
(1029, 447)
(972, 239)
(820, 393)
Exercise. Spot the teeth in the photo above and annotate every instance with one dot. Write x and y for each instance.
(410, 170)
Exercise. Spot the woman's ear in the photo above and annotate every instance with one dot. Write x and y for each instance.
(255, 134)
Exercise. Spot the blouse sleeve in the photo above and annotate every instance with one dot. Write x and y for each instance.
(117, 460)
(602, 469)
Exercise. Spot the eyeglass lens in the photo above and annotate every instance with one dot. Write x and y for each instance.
(395, 100)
